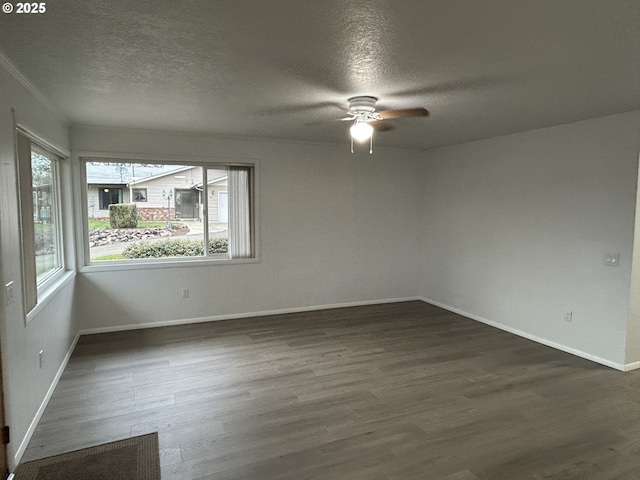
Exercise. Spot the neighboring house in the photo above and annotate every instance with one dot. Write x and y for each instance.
(157, 191)
(218, 196)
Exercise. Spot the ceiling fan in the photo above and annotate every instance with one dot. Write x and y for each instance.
(362, 112)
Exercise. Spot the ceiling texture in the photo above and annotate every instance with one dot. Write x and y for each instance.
(285, 69)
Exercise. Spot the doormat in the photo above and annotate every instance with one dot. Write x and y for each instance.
(135, 458)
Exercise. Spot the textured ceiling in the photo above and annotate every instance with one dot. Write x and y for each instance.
(285, 68)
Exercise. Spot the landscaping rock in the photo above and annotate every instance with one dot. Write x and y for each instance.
(108, 236)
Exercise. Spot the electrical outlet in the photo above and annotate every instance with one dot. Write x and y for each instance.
(41, 358)
(612, 259)
(568, 316)
(185, 293)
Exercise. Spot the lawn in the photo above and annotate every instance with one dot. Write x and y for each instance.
(45, 262)
(113, 256)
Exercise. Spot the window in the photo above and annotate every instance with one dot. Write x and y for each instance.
(177, 207)
(139, 194)
(44, 174)
(110, 196)
(40, 216)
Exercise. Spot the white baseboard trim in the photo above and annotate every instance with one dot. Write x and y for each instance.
(631, 366)
(215, 318)
(34, 423)
(543, 341)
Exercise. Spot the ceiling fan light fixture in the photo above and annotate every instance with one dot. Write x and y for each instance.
(361, 131)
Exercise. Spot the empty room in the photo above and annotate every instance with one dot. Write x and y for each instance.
(337, 239)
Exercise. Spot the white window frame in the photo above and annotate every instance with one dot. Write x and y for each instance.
(46, 285)
(81, 158)
(135, 200)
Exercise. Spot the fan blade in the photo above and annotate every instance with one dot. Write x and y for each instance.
(349, 118)
(404, 113)
(381, 126)
(302, 108)
(456, 86)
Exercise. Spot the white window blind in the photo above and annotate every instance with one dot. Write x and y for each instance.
(240, 215)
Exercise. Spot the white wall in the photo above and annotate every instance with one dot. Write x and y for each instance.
(511, 230)
(516, 229)
(53, 328)
(335, 228)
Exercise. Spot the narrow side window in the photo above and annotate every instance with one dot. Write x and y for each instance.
(40, 217)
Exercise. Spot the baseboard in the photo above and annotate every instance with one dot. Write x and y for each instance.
(34, 423)
(528, 336)
(264, 313)
(631, 366)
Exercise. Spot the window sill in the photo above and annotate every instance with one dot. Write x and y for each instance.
(54, 286)
(112, 266)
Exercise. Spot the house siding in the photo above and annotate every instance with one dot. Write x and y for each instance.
(155, 207)
(214, 190)
(93, 199)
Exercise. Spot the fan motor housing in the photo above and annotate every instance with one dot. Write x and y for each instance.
(362, 104)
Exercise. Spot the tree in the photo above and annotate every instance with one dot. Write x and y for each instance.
(40, 170)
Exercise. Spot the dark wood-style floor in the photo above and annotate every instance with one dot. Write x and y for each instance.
(399, 391)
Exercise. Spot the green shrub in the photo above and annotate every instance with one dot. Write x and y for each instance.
(123, 215)
(175, 248)
(218, 245)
